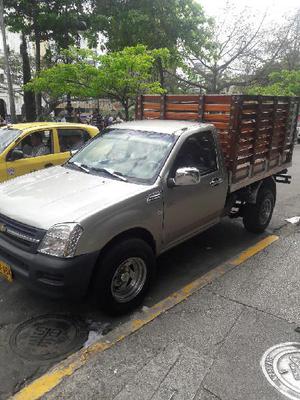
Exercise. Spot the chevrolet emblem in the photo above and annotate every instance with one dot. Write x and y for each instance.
(3, 228)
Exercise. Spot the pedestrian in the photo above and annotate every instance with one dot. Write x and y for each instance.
(110, 121)
(97, 119)
(78, 118)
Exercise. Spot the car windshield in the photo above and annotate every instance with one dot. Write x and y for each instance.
(124, 153)
(7, 136)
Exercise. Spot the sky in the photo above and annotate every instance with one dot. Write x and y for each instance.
(276, 9)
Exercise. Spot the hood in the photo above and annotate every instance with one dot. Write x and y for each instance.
(47, 197)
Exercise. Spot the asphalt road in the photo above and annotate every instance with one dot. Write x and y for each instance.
(176, 268)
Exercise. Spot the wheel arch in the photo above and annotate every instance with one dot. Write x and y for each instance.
(250, 194)
(270, 184)
(137, 233)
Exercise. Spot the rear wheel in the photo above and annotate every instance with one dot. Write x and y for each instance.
(258, 216)
(124, 276)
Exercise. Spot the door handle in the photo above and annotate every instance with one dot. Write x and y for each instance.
(48, 165)
(216, 181)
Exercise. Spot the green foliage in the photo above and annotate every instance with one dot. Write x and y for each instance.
(120, 75)
(171, 24)
(156, 23)
(57, 20)
(283, 83)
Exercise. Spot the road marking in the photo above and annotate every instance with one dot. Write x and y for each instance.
(254, 250)
(66, 368)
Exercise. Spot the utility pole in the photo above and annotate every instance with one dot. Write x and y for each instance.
(7, 67)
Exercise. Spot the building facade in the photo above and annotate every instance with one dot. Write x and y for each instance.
(13, 41)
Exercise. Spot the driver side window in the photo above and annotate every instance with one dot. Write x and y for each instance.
(36, 144)
(198, 151)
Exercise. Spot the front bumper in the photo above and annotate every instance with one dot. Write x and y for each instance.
(51, 276)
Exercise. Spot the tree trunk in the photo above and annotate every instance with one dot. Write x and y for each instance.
(161, 73)
(7, 67)
(126, 110)
(69, 109)
(216, 79)
(38, 97)
(29, 99)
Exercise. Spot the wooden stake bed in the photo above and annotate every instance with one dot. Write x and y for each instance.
(257, 133)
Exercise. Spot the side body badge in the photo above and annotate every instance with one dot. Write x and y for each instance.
(153, 197)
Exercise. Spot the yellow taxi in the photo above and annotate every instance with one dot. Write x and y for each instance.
(29, 147)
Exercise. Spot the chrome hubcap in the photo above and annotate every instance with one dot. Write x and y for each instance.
(265, 211)
(129, 279)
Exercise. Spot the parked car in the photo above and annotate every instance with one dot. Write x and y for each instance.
(29, 147)
(97, 223)
(298, 133)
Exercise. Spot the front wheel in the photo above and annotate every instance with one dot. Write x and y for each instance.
(258, 216)
(124, 276)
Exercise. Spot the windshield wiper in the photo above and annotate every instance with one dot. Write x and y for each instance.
(110, 172)
(82, 167)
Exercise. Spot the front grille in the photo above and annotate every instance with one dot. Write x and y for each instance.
(24, 236)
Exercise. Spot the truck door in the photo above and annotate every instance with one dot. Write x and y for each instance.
(190, 209)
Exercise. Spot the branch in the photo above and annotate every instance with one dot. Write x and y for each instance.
(243, 48)
(77, 83)
(185, 80)
(201, 61)
(230, 36)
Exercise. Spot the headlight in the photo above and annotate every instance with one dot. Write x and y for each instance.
(61, 240)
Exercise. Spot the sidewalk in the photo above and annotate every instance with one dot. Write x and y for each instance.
(208, 347)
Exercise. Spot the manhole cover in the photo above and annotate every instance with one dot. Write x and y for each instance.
(48, 337)
(281, 366)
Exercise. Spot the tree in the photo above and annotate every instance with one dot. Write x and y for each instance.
(120, 75)
(7, 66)
(244, 50)
(283, 83)
(290, 55)
(171, 24)
(235, 35)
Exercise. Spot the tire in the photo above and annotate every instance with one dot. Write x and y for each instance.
(258, 216)
(123, 276)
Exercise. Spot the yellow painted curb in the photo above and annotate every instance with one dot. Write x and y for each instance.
(51, 379)
(254, 250)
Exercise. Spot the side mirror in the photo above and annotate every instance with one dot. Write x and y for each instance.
(73, 152)
(16, 155)
(186, 176)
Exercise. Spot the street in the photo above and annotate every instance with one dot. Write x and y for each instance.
(237, 316)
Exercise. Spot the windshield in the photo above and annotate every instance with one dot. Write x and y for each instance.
(7, 136)
(134, 155)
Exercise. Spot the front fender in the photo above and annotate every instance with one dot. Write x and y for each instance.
(102, 228)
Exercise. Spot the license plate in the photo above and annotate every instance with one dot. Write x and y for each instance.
(6, 271)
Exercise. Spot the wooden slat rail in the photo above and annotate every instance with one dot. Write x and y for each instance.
(256, 132)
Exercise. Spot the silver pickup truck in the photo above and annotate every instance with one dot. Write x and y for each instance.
(98, 222)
